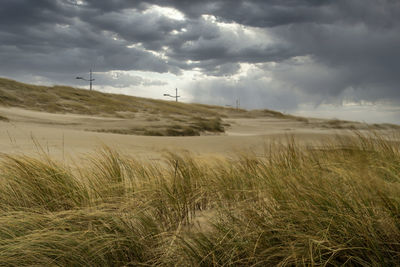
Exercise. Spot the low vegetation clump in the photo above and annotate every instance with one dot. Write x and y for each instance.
(210, 125)
(337, 204)
(195, 127)
(3, 118)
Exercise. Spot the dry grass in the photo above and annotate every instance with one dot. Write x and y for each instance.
(64, 99)
(335, 205)
(172, 127)
(184, 119)
(351, 125)
(3, 118)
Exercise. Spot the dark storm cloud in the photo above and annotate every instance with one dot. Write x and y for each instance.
(356, 56)
(270, 13)
(43, 37)
(353, 46)
(133, 26)
(324, 50)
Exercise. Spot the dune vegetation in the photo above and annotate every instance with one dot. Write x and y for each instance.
(151, 117)
(194, 127)
(3, 118)
(180, 119)
(330, 205)
(64, 99)
(173, 118)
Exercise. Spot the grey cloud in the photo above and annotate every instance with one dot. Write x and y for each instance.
(84, 33)
(252, 90)
(68, 48)
(351, 45)
(147, 82)
(355, 56)
(212, 49)
(64, 43)
(15, 13)
(271, 13)
(133, 26)
(258, 13)
(122, 80)
(227, 69)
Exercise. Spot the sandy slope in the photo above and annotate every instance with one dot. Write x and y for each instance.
(65, 136)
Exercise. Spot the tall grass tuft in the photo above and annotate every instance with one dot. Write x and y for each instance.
(27, 183)
(335, 204)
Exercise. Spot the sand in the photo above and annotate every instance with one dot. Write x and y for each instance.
(66, 136)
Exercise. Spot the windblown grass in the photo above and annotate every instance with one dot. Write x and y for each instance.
(335, 205)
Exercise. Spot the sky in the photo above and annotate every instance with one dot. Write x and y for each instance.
(319, 58)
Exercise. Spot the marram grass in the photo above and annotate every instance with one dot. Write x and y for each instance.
(332, 206)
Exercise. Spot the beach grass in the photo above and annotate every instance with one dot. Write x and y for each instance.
(330, 205)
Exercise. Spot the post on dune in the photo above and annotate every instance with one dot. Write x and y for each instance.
(176, 96)
(90, 80)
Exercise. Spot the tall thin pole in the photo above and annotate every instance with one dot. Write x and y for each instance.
(90, 79)
(176, 96)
